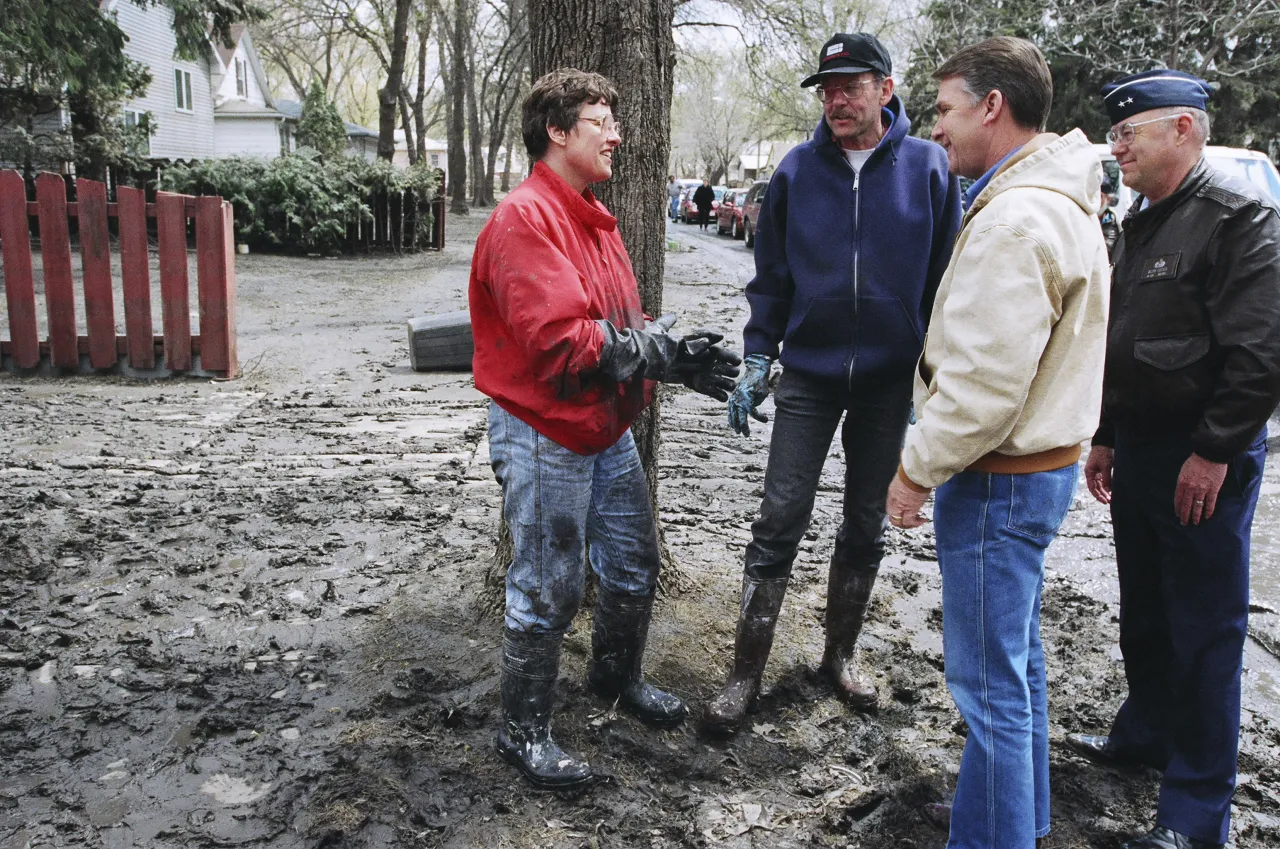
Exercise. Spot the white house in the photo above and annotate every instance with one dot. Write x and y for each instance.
(245, 121)
(180, 97)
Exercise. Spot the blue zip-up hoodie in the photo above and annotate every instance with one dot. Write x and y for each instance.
(846, 268)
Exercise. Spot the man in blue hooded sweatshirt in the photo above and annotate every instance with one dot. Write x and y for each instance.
(854, 234)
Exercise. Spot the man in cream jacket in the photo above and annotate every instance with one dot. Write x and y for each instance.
(1007, 389)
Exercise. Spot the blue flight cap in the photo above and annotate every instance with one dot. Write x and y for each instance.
(1136, 93)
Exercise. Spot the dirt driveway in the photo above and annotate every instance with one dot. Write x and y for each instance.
(249, 614)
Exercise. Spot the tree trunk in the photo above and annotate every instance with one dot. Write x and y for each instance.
(506, 170)
(630, 42)
(406, 121)
(420, 98)
(474, 136)
(458, 109)
(389, 94)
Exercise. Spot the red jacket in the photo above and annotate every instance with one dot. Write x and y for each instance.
(546, 266)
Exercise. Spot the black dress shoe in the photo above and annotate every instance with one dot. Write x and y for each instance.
(1101, 751)
(1166, 838)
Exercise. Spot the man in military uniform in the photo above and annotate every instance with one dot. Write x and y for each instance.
(1192, 374)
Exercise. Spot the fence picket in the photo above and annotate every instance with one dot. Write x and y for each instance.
(135, 271)
(95, 252)
(19, 281)
(55, 251)
(171, 227)
(216, 279)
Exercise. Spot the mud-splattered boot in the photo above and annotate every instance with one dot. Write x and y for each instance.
(761, 601)
(848, 594)
(618, 636)
(530, 664)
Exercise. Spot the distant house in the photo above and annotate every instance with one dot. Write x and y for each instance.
(216, 105)
(757, 161)
(361, 141)
(438, 157)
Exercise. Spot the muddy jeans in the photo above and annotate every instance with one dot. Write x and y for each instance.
(556, 501)
(807, 413)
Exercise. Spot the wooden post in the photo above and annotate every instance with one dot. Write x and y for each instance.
(95, 252)
(19, 281)
(215, 267)
(55, 250)
(171, 226)
(135, 270)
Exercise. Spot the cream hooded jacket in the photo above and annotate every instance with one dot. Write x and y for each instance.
(1011, 374)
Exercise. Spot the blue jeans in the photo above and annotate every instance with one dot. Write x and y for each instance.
(556, 502)
(992, 532)
(674, 208)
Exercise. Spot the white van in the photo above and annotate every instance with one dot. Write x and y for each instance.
(1248, 165)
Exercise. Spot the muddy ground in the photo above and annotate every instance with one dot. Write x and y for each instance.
(251, 613)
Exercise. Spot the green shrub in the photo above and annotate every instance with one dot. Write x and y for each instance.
(302, 201)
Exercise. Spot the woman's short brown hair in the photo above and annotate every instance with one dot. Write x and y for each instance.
(1014, 67)
(556, 99)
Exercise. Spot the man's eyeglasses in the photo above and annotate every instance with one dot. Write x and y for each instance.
(606, 124)
(828, 91)
(1126, 133)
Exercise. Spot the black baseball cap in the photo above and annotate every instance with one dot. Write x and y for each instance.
(854, 53)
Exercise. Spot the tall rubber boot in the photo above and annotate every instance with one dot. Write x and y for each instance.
(530, 664)
(618, 636)
(848, 595)
(761, 601)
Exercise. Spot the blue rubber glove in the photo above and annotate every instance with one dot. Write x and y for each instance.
(752, 389)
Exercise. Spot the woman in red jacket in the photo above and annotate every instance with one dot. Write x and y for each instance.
(562, 348)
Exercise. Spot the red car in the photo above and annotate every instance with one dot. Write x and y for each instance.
(751, 210)
(729, 215)
(689, 212)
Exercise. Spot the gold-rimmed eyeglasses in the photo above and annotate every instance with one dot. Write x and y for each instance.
(1126, 133)
(850, 89)
(605, 124)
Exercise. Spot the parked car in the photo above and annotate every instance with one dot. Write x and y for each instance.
(729, 216)
(1248, 165)
(689, 212)
(687, 185)
(751, 210)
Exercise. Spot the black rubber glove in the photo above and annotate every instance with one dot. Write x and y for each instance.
(715, 379)
(649, 352)
(657, 355)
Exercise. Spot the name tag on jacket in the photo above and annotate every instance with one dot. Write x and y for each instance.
(1161, 267)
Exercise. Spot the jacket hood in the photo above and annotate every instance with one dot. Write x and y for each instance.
(1066, 164)
(899, 126)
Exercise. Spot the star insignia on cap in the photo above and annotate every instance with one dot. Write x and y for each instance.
(1126, 102)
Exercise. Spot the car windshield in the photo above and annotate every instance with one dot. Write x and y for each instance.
(720, 193)
(1259, 172)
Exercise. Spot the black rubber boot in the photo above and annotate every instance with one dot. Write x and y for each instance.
(848, 594)
(530, 664)
(761, 601)
(618, 637)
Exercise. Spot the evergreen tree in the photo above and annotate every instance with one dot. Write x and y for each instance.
(320, 126)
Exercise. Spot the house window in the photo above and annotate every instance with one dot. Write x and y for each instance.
(435, 160)
(242, 78)
(286, 139)
(182, 90)
(142, 143)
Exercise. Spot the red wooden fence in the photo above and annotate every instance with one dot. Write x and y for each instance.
(215, 345)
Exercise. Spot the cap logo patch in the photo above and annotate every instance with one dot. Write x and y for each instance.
(835, 48)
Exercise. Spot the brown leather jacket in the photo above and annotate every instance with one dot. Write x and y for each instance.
(1193, 345)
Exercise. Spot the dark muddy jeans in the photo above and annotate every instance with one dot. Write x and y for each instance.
(808, 411)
